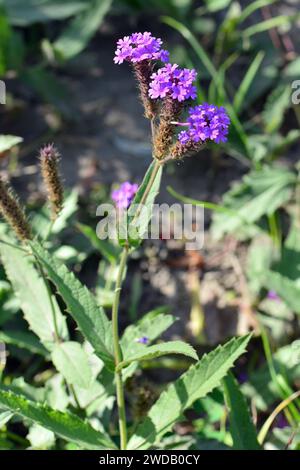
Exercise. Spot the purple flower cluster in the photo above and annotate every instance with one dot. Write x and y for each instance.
(173, 85)
(173, 81)
(139, 47)
(205, 122)
(124, 195)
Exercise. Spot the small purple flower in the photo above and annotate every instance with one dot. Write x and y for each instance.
(272, 295)
(242, 377)
(143, 340)
(124, 195)
(139, 47)
(281, 421)
(205, 122)
(173, 81)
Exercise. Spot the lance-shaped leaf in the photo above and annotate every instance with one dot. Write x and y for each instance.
(162, 349)
(71, 361)
(65, 425)
(81, 304)
(242, 429)
(196, 383)
(23, 340)
(32, 292)
(151, 326)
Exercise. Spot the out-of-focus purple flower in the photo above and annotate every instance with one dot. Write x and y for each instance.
(272, 295)
(242, 377)
(281, 421)
(143, 340)
(173, 81)
(124, 195)
(205, 122)
(139, 47)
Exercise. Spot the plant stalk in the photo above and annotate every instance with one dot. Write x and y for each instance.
(117, 350)
(147, 191)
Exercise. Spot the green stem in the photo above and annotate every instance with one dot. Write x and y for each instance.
(72, 390)
(117, 350)
(115, 311)
(147, 191)
(49, 230)
(14, 246)
(56, 331)
(18, 439)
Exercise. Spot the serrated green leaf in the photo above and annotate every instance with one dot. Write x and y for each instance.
(162, 349)
(81, 304)
(20, 387)
(241, 426)
(196, 383)
(65, 425)
(32, 292)
(71, 361)
(23, 340)
(151, 325)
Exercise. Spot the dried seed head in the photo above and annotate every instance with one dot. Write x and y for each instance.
(163, 139)
(49, 158)
(13, 212)
(179, 150)
(143, 71)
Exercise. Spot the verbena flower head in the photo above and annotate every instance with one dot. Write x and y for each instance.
(124, 195)
(139, 47)
(173, 81)
(205, 122)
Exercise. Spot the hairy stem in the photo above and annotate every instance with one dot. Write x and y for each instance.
(117, 350)
(115, 314)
